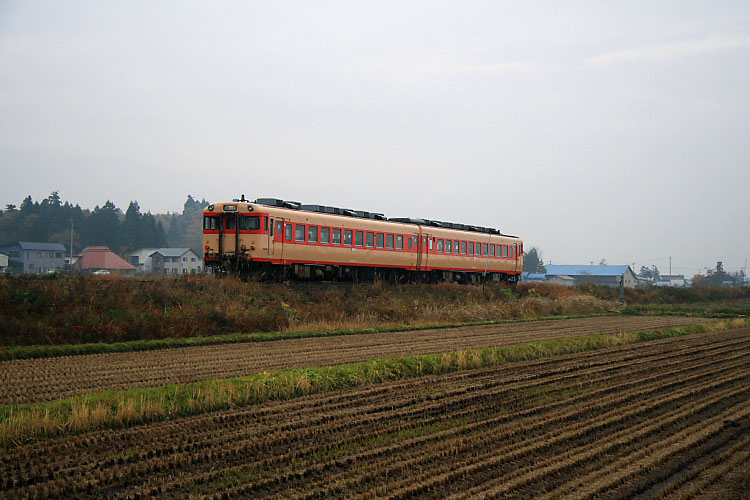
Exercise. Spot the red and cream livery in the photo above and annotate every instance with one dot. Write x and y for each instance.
(273, 238)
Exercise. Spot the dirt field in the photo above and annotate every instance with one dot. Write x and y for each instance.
(669, 417)
(35, 380)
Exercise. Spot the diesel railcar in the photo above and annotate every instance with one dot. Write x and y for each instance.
(275, 239)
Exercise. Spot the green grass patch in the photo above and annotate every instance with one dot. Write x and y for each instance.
(113, 409)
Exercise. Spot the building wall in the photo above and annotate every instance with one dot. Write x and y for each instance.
(3, 260)
(188, 263)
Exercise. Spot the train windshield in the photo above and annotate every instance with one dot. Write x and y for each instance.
(211, 223)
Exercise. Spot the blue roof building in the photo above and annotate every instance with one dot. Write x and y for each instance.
(599, 275)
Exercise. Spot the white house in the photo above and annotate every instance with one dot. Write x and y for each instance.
(3, 262)
(176, 261)
(166, 261)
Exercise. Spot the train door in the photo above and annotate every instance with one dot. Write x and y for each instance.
(277, 235)
(414, 246)
(229, 233)
(425, 245)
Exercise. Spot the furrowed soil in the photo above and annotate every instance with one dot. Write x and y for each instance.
(37, 380)
(660, 419)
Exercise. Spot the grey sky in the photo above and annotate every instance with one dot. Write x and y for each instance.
(617, 130)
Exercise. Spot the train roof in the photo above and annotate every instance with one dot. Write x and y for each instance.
(294, 205)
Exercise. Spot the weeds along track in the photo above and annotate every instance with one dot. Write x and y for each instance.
(35, 380)
(663, 419)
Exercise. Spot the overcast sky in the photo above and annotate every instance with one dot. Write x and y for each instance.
(616, 130)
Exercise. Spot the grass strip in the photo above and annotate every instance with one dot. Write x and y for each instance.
(115, 409)
(50, 351)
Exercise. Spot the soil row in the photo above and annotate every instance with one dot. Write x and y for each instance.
(663, 418)
(36, 380)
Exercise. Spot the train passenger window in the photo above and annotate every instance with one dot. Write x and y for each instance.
(325, 235)
(485, 248)
(251, 223)
(379, 240)
(440, 245)
(409, 242)
(389, 241)
(312, 234)
(471, 248)
(511, 252)
(299, 234)
(370, 241)
(271, 233)
(456, 247)
(492, 250)
(279, 224)
(348, 237)
(230, 222)
(505, 251)
(289, 232)
(337, 236)
(360, 235)
(432, 240)
(463, 247)
(399, 242)
(448, 246)
(211, 223)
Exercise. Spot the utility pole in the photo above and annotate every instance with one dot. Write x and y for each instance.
(70, 265)
(670, 266)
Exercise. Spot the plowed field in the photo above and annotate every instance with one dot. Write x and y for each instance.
(668, 417)
(35, 380)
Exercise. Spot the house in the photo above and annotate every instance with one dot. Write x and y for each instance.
(562, 280)
(176, 261)
(527, 277)
(33, 257)
(141, 259)
(599, 275)
(673, 280)
(93, 259)
(3, 262)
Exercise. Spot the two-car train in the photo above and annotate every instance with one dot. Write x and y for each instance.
(276, 239)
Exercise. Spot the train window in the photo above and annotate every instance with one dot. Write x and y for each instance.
(360, 235)
(389, 241)
(299, 234)
(399, 242)
(370, 241)
(505, 251)
(456, 247)
(379, 240)
(251, 223)
(211, 223)
(479, 249)
(289, 232)
(432, 240)
(279, 224)
(492, 250)
(312, 234)
(271, 233)
(440, 245)
(230, 222)
(325, 235)
(348, 237)
(463, 247)
(409, 242)
(448, 246)
(337, 236)
(485, 248)
(471, 248)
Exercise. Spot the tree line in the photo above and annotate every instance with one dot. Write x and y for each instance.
(50, 221)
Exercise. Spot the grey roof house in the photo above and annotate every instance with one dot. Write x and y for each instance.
(599, 275)
(175, 261)
(34, 258)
